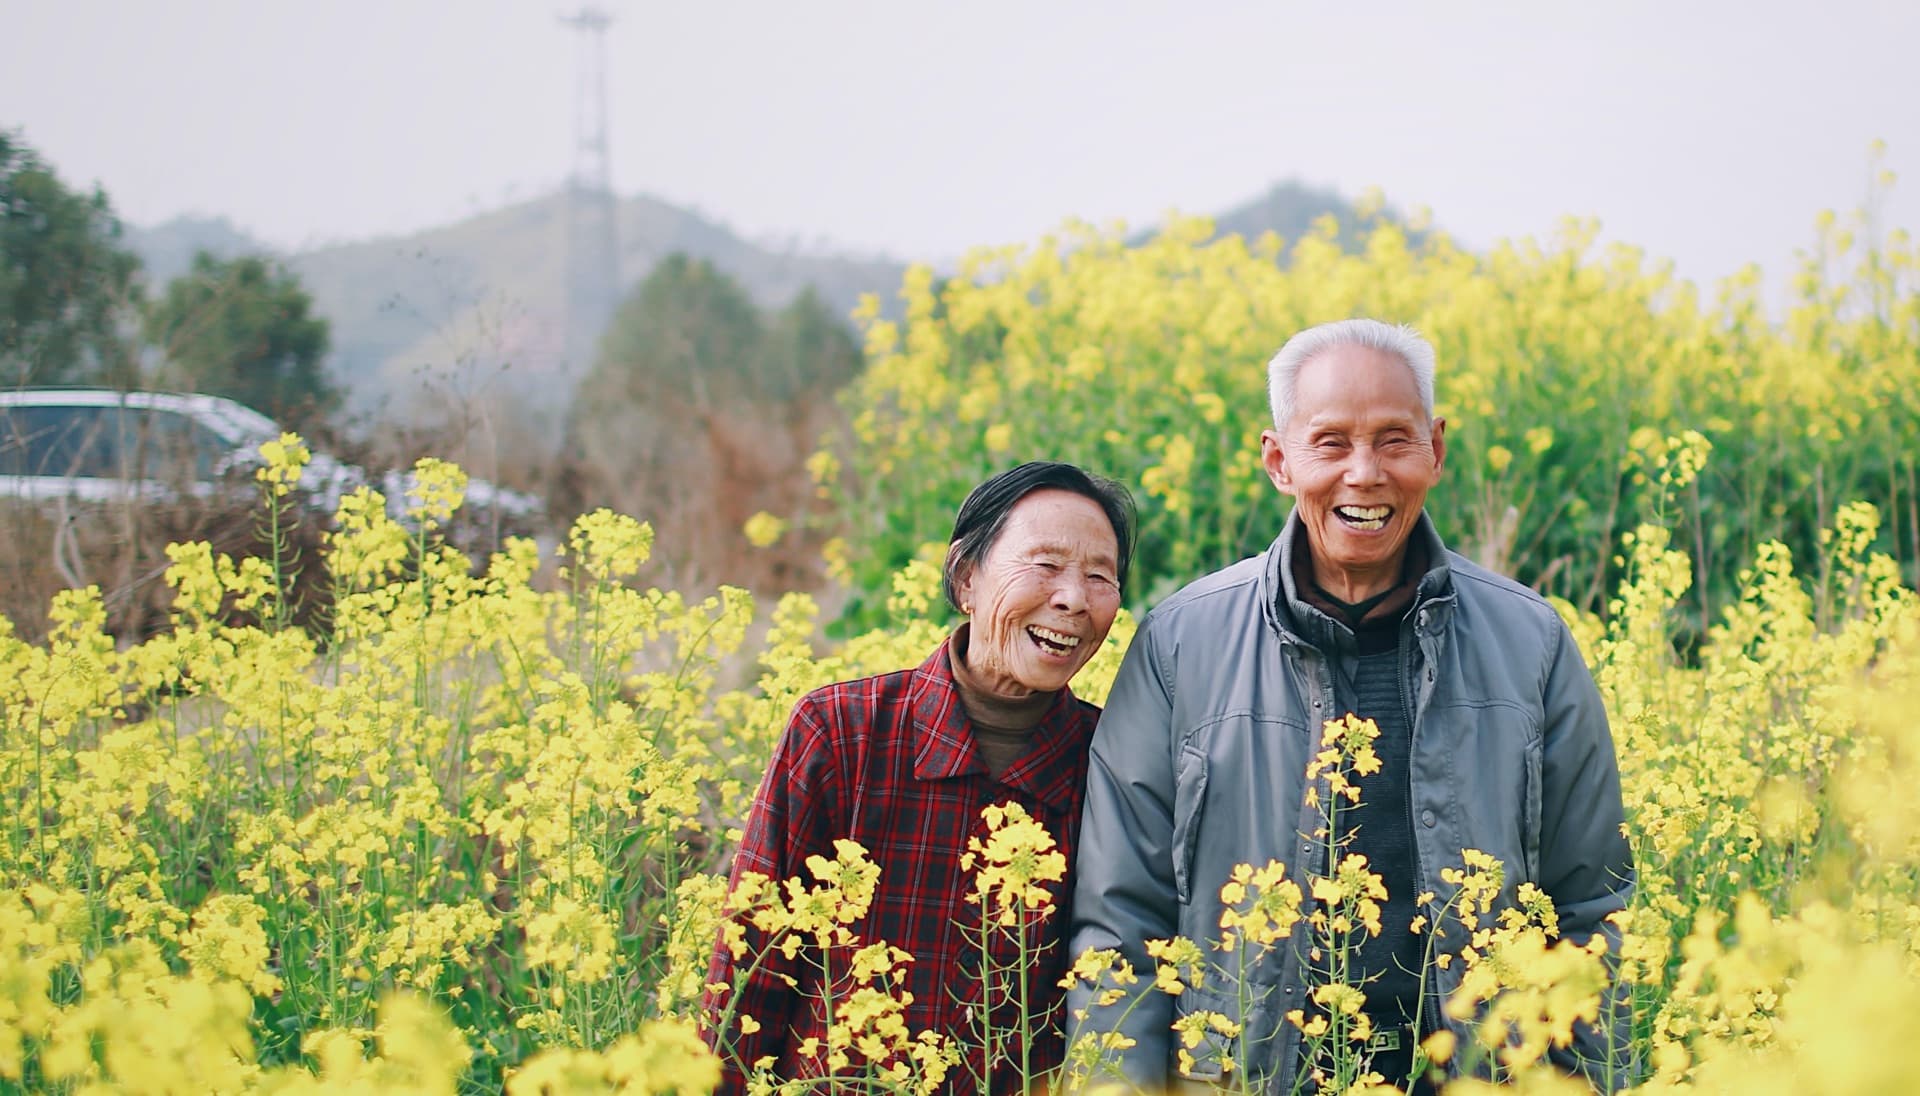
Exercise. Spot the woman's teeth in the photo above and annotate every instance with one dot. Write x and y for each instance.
(1047, 637)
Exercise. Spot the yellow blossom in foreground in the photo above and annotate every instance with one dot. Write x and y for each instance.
(1259, 906)
(435, 490)
(285, 458)
(1012, 867)
(663, 1056)
(842, 895)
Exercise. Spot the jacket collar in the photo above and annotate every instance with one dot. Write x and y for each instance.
(1294, 618)
(943, 737)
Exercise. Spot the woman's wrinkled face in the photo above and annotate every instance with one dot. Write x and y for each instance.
(1043, 596)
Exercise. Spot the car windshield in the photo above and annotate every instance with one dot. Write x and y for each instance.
(242, 425)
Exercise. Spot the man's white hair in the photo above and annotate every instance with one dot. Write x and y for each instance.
(1403, 342)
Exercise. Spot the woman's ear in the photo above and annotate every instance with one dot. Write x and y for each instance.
(960, 573)
(963, 586)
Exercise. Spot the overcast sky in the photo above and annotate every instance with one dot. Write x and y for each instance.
(1710, 133)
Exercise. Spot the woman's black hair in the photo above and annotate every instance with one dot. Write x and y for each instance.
(984, 514)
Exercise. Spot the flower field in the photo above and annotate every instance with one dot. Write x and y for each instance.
(1564, 366)
(464, 837)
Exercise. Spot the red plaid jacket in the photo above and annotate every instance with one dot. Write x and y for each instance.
(890, 762)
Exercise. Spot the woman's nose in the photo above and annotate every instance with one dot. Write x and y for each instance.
(1070, 592)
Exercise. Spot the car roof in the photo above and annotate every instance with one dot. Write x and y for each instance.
(102, 397)
(236, 420)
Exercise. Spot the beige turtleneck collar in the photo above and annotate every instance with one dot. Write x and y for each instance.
(1002, 726)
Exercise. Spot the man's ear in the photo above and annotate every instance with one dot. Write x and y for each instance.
(1274, 459)
(1439, 446)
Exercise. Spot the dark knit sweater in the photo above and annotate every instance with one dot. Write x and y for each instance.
(1363, 643)
(1382, 822)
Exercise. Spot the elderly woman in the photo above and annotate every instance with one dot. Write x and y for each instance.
(904, 764)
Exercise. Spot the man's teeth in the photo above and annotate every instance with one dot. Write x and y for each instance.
(1364, 517)
(1057, 639)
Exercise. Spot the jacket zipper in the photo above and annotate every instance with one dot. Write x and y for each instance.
(1409, 683)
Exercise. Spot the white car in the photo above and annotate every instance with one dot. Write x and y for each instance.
(98, 445)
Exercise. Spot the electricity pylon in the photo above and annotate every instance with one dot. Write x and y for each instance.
(593, 235)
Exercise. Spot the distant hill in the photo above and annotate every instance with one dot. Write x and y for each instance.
(469, 315)
(167, 250)
(472, 311)
(1289, 210)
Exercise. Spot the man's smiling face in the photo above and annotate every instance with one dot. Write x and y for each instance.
(1358, 455)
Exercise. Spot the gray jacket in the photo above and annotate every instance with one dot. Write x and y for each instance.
(1199, 764)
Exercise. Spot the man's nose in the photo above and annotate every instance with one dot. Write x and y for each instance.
(1363, 465)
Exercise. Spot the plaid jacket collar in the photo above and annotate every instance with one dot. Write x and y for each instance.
(943, 737)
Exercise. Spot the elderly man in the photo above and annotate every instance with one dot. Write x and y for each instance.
(1491, 733)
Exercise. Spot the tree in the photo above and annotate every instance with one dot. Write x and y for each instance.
(67, 288)
(691, 338)
(806, 349)
(244, 328)
(671, 375)
(688, 337)
(700, 412)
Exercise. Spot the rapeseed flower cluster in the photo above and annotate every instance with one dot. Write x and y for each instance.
(1014, 864)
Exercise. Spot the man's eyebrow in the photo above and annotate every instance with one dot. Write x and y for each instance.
(1314, 427)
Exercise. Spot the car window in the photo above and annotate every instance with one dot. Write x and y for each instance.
(60, 441)
(171, 447)
(13, 444)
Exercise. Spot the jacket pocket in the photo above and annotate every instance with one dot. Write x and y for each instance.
(1189, 797)
(1230, 1061)
(1213, 1061)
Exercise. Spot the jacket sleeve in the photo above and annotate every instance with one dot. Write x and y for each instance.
(1124, 888)
(787, 823)
(1586, 865)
